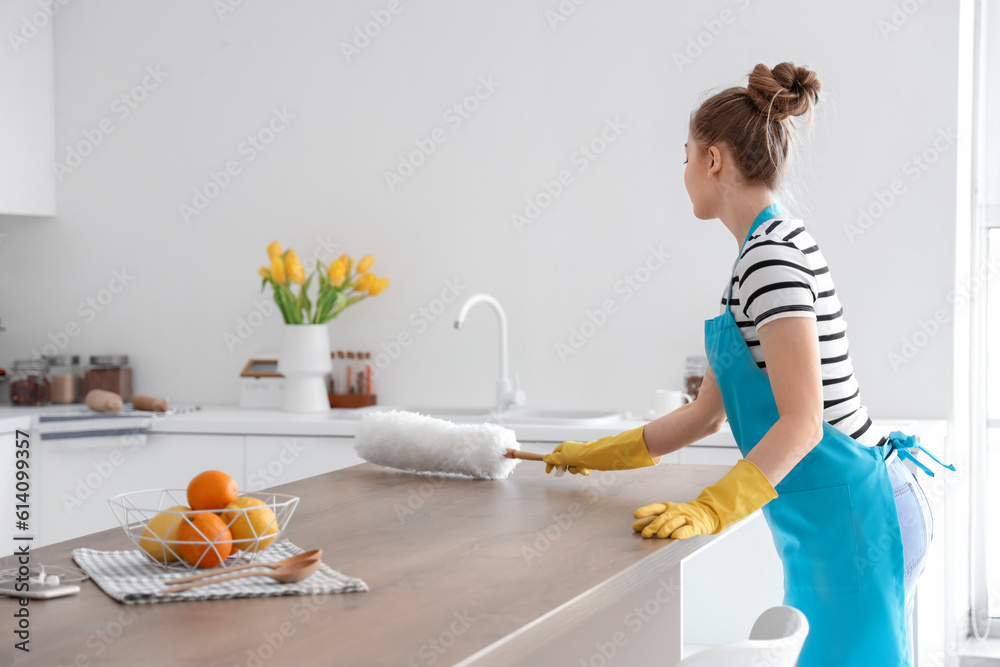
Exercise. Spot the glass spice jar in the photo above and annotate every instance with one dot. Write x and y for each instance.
(29, 382)
(110, 372)
(65, 377)
(4, 387)
(694, 372)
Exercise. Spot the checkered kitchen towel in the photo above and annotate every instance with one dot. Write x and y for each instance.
(129, 576)
(80, 425)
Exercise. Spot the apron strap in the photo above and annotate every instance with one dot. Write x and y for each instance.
(902, 443)
(772, 211)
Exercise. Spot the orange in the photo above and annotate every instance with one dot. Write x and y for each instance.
(211, 490)
(160, 533)
(205, 529)
(253, 529)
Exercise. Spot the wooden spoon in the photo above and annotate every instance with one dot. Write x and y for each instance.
(286, 574)
(306, 555)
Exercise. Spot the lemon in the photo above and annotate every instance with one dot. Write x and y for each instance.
(251, 527)
(163, 526)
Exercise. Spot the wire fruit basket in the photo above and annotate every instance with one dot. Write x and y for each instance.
(152, 518)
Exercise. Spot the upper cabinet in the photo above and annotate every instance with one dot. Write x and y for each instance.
(27, 109)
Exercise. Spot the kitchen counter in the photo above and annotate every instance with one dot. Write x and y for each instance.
(529, 570)
(229, 419)
(337, 422)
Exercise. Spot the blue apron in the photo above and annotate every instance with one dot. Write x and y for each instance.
(834, 522)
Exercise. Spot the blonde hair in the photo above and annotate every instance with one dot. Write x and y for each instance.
(751, 121)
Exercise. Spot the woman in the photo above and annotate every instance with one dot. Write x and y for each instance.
(849, 520)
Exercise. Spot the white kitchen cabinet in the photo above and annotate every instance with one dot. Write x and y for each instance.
(730, 584)
(80, 475)
(6, 492)
(27, 109)
(723, 598)
(709, 455)
(8, 432)
(272, 460)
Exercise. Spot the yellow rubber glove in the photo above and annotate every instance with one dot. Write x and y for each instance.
(615, 452)
(743, 491)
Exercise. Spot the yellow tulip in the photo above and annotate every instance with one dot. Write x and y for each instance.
(264, 272)
(278, 269)
(345, 261)
(365, 263)
(336, 272)
(294, 267)
(365, 281)
(379, 285)
(274, 249)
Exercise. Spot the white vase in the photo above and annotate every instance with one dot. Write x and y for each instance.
(304, 361)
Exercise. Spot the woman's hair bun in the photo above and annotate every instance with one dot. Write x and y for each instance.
(786, 90)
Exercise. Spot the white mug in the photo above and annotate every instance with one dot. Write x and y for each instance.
(668, 400)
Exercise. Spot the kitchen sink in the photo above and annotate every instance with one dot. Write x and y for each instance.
(451, 414)
(514, 416)
(561, 417)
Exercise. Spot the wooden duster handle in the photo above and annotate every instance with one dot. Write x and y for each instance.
(518, 454)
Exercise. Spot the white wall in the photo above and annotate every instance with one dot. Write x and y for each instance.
(885, 99)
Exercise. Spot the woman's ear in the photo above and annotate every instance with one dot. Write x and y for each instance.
(714, 160)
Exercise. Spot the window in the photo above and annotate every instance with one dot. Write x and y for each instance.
(986, 354)
(993, 422)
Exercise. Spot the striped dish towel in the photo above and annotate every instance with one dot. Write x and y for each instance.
(82, 422)
(129, 577)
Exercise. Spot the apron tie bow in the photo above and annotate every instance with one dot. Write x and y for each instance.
(901, 442)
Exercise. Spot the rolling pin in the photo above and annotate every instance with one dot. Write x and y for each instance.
(150, 403)
(104, 401)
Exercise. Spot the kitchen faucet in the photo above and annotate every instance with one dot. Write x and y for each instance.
(507, 395)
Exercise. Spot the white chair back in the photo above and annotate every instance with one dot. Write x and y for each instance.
(775, 641)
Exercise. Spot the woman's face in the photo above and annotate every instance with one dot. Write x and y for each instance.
(701, 188)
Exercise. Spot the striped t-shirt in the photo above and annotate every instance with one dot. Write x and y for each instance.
(782, 273)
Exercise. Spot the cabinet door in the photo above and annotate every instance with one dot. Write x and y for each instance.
(721, 602)
(80, 475)
(27, 107)
(8, 487)
(273, 459)
(710, 455)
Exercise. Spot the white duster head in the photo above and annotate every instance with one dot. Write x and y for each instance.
(417, 443)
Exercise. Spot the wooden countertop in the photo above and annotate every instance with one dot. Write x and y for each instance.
(456, 567)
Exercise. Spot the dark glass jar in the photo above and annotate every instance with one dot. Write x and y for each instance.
(29, 382)
(110, 372)
(694, 372)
